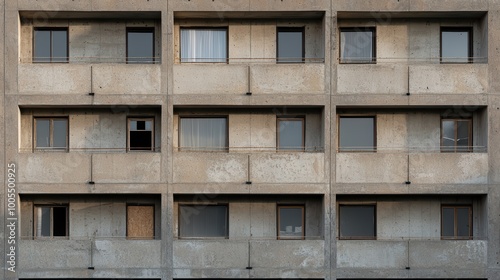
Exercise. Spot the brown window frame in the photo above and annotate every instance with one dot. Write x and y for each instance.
(226, 28)
(51, 206)
(278, 221)
(127, 221)
(140, 30)
(470, 45)
(448, 150)
(455, 216)
(373, 150)
(51, 57)
(290, 118)
(152, 119)
(374, 237)
(190, 149)
(290, 29)
(51, 134)
(371, 29)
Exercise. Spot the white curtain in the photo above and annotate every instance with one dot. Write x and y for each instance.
(203, 134)
(203, 45)
(356, 46)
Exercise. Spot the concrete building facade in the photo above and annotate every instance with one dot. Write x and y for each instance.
(266, 139)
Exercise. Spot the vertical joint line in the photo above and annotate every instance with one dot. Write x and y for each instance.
(249, 86)
(248, 168)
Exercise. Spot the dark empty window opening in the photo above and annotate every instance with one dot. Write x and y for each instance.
(141, 134)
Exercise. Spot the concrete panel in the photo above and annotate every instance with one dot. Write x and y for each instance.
(54, 254)
(278, 5)
(307, 254)
(239, 220)
(449, 78)
(191, 167)
(424, 132)
(371, 167)
(54, 167)
(424, 42)
(287, 78)
(372, 254)
(97, 219)
(217, 79)
(392, 43)
(391, 132)
(124, 253)
(239, 38)
(448, 5)
(358, 79)
(263, 43)
(465, 254)
(255, 132)
(53, 78)
(210, 254)
(263, 220)
(98, 131)
(126, 79)
(287, 168)
(140, 167)
(449, 168)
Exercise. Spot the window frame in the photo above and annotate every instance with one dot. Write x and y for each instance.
(51, 134)
(290, 118)
(51, 206)
(278, 221)
(179, 221)
(33, 58)
(373, 150)
(470, 45)
(455, 217)
(127, 221)
(301, 29)
(371, 29)
(140, 30)
(191, 149)
(448, 149)
(225, 28)
(142, 118)
(373, 205)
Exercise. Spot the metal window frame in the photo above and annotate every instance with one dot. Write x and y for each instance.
(140, 30)
(374, 117)
(290, 118)
(50, 29)
(51, 134)
(470, 45)
(371, 29)
(190, 149)
(290, 29)
(144, 118)
(225, 28)
(51, 206)
(454, 148)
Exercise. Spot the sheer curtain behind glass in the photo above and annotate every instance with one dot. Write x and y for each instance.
(203, 45)
(203, 134)
(356, 46)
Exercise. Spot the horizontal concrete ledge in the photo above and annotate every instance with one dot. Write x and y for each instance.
(363, 273)
(257, 100)
(84, 100)
(403, 188)
(85, 273)
(244, 188)
(92, 5)
(245, 5)
(250, 273)
(86, 188)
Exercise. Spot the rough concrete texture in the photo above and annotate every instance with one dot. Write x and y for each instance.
(49, 79)
(126, 167)
(371, 167)
(63, 167)
(126, 79)
(394, 78)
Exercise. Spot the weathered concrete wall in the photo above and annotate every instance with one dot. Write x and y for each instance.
(371, 167)
(126, 168)
(55, 167)
(358, 79)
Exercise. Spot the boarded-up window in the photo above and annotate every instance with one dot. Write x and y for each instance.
(140, 222)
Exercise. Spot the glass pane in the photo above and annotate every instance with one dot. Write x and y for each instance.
(59, 46)
(203, 45)
(290, 135)
(448, 135)
(42, 46)
(59, 221)
(357, 134)
(203, 221)
(448, 222)
(357, 221)
(463, 226)
(356, 46)
(60, 133)
(140, 47)
(203, 133)
(42, 133)
(291, 222)
(43, 222)
(290, 46)
(136, 125)
(455, 46)
(463, 141)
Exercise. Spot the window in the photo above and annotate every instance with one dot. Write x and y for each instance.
(141, 134)
(290, 133)
(291, 222)
(456, 135)
(140, 45)
(290, 44)
(140, 221)
(456, 222)
(51, 221)
(203, 221)
(456, 45)
(357, 45)
(50, 45)
(51, 134)
(204, 45)
(357, 222)
(203, 134)
(357, 134)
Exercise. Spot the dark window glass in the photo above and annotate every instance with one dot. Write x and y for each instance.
(290, 133)
(141, 134)
(51, 133)
(203, 221)
(140, 45)
(456, 135)
(291, 222)
(456, 45)
(203, 45)
(456, 222)
(357, 134)
(357, 222)
(201, 134)
(59, 221)
(357, 45)
(290, 45)
(50, 45)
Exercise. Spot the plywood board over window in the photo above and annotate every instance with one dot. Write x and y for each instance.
(140, 222)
